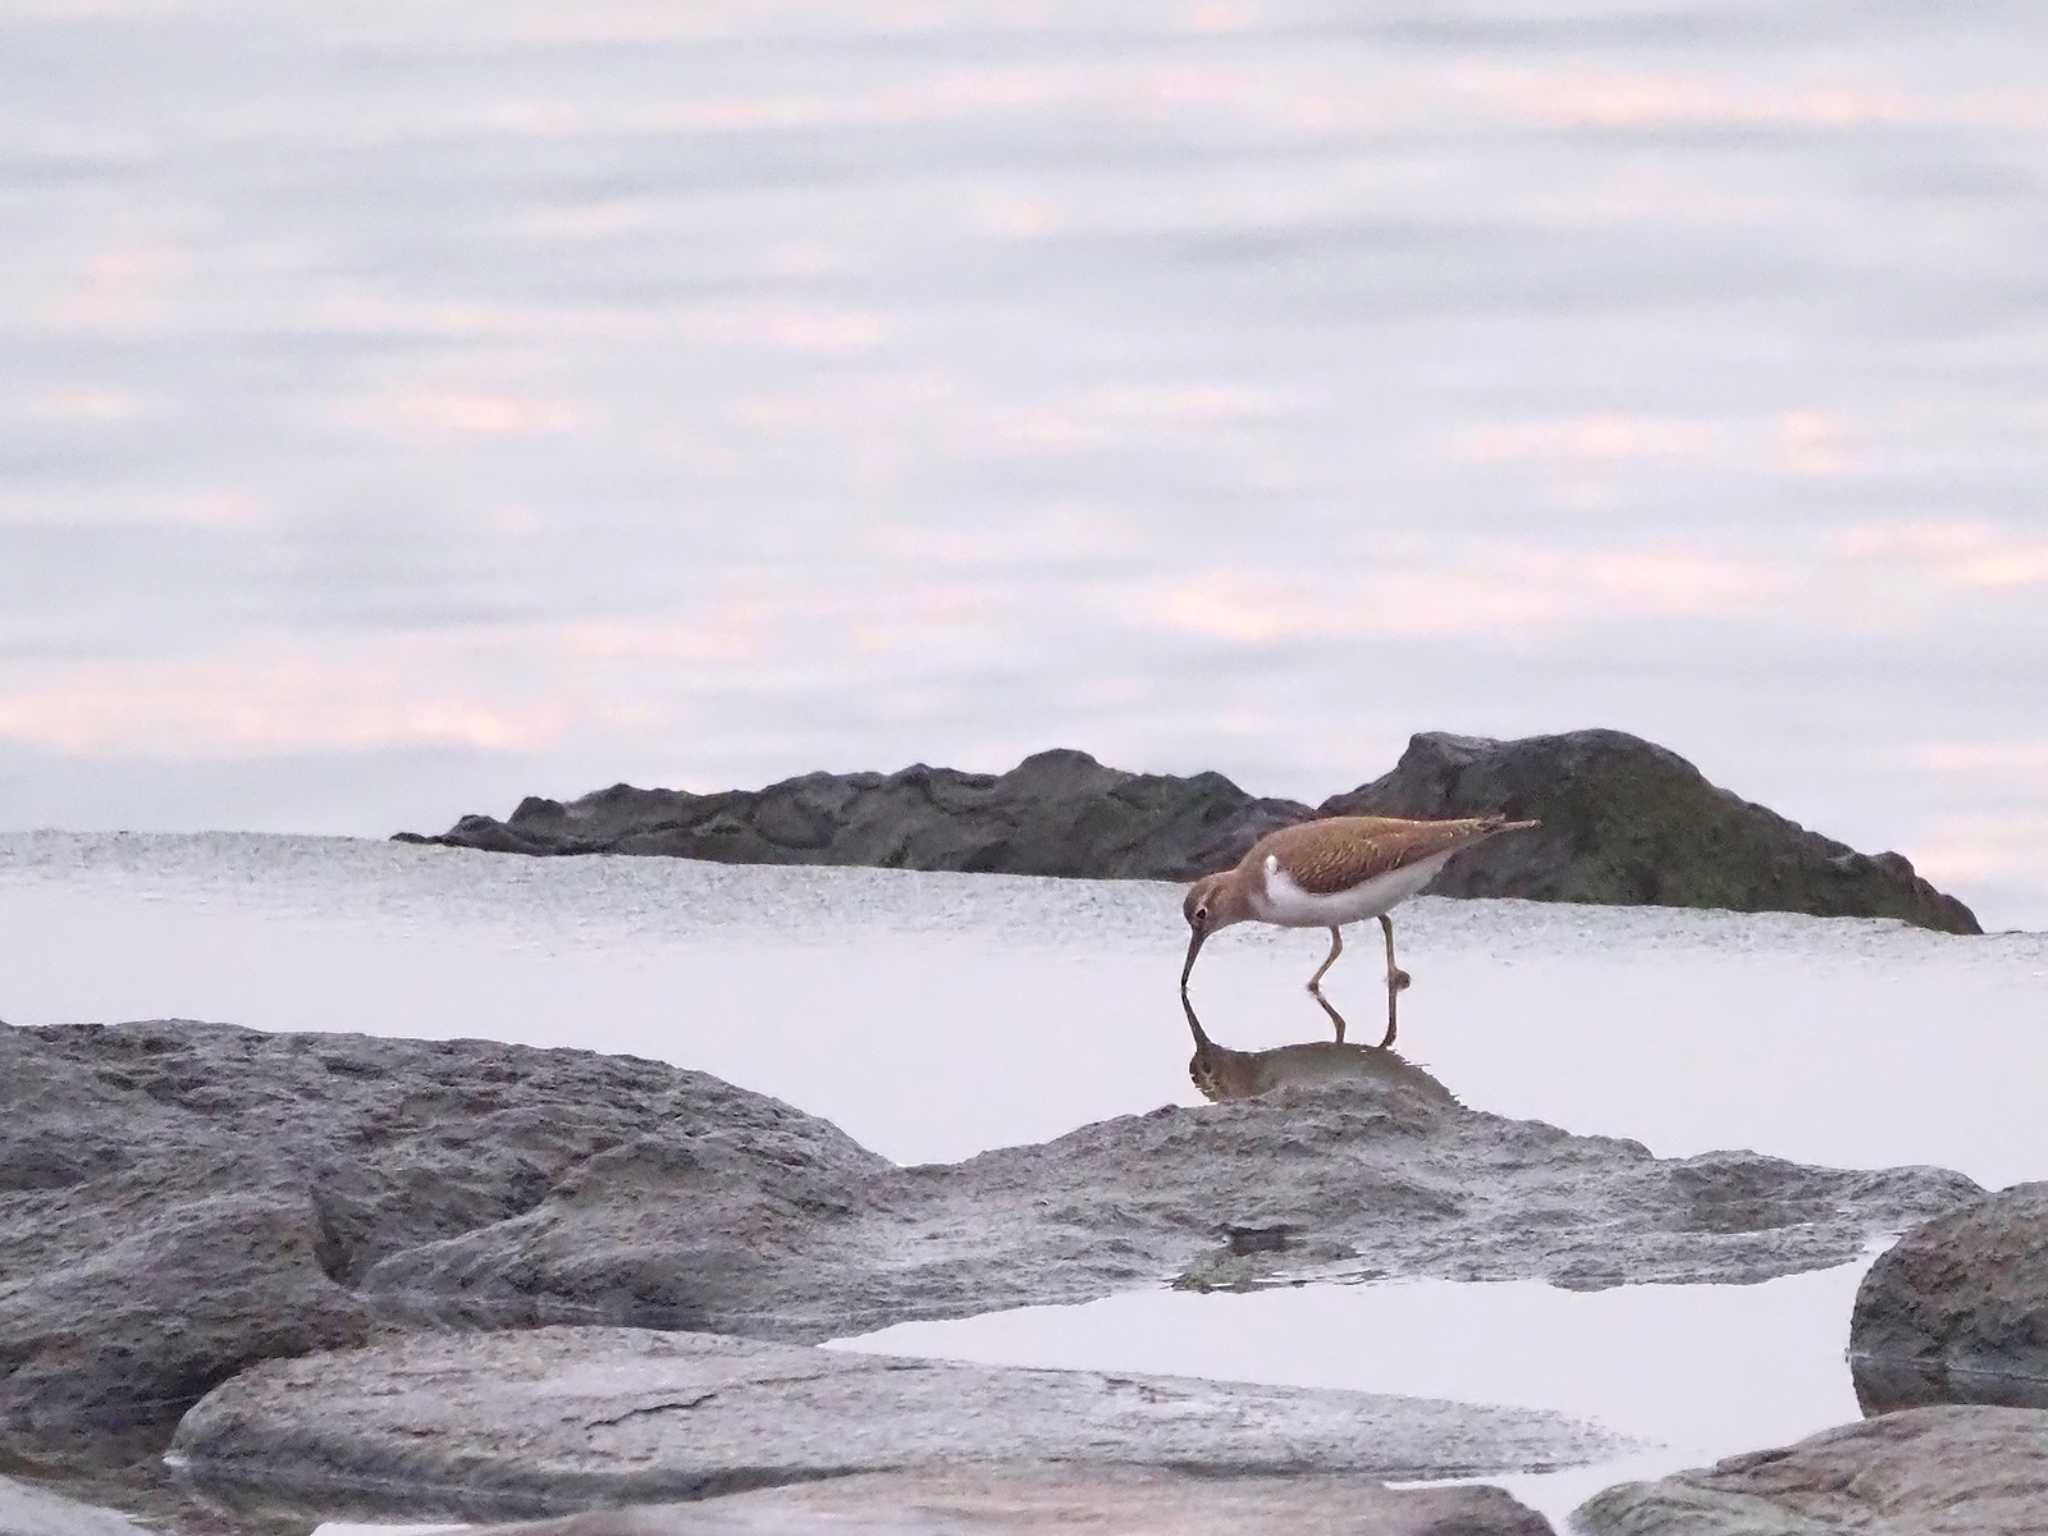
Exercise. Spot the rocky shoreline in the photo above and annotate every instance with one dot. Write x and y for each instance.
(1625, 822)
(555, 1420)
(188, 1200)
(464, 1279)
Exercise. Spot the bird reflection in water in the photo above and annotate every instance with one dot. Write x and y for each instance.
(1222, 1073)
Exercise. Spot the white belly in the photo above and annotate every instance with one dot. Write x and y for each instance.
(1283, 902)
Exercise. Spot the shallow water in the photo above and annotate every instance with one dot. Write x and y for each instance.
(933, 1016)
(1694, 1371)
(936, 1015)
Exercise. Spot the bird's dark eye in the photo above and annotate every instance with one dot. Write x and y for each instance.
(1201, 914)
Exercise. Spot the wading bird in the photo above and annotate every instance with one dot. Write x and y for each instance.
(1324, 874)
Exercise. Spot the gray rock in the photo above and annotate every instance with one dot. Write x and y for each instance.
(1376, 1173)
(1957, 1309)
(26, 1510)
(1886, 1386)
(1625, 822)
(1929, 1472)
(560, 1419)
(1011, 1501)
(178, 1201)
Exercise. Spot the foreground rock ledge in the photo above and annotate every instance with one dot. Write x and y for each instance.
(1039, 1501)
(558, 1419)
(1958, 1307)
(179, 1201)
(1625, 822)
(1950, 1471)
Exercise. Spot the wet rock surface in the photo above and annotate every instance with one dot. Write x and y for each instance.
(184, 1199)
(1011, 1501)
(1625, 822)
(1377, 1172)
(178, 1200)
(561, 1419)
(1949, 1471)
(1957, 1309)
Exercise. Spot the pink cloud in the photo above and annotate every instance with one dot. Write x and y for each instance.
(1682, 581)
(1646, 99)
(221, 707)
(1271, 606)
(1960, 849)
(1586, 439)
(486, 415)
(1957, 553)
(90, 405)
(1996, 758)
(1486, 588)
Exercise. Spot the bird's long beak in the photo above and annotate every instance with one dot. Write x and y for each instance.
(1194, 949)
(1194, 1024)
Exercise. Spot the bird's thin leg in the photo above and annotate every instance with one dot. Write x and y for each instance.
(1315, 982)
(1397, 979)
(1336, 1018)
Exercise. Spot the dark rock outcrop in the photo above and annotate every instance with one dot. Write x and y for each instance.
(1625, 822)
(1927, 1472)
(1055, 813)
(1054, 1501)
(1628, 823)
(1957, 1309)
(561, 1419)
(179, 1201)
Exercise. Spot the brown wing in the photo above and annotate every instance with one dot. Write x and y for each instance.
(1338, 852)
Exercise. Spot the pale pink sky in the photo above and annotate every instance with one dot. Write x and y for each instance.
(699, 395)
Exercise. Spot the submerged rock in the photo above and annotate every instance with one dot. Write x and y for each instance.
(560, 1419)
(1625, 822)
(1957, 1309)
(1928, 1472)
(1010, 1501)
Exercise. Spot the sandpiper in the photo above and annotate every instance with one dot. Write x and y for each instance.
(1326, 873)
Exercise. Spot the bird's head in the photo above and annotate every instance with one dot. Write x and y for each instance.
(1212, 902)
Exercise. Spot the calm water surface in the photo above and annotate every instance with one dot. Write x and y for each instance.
(936, 1015)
